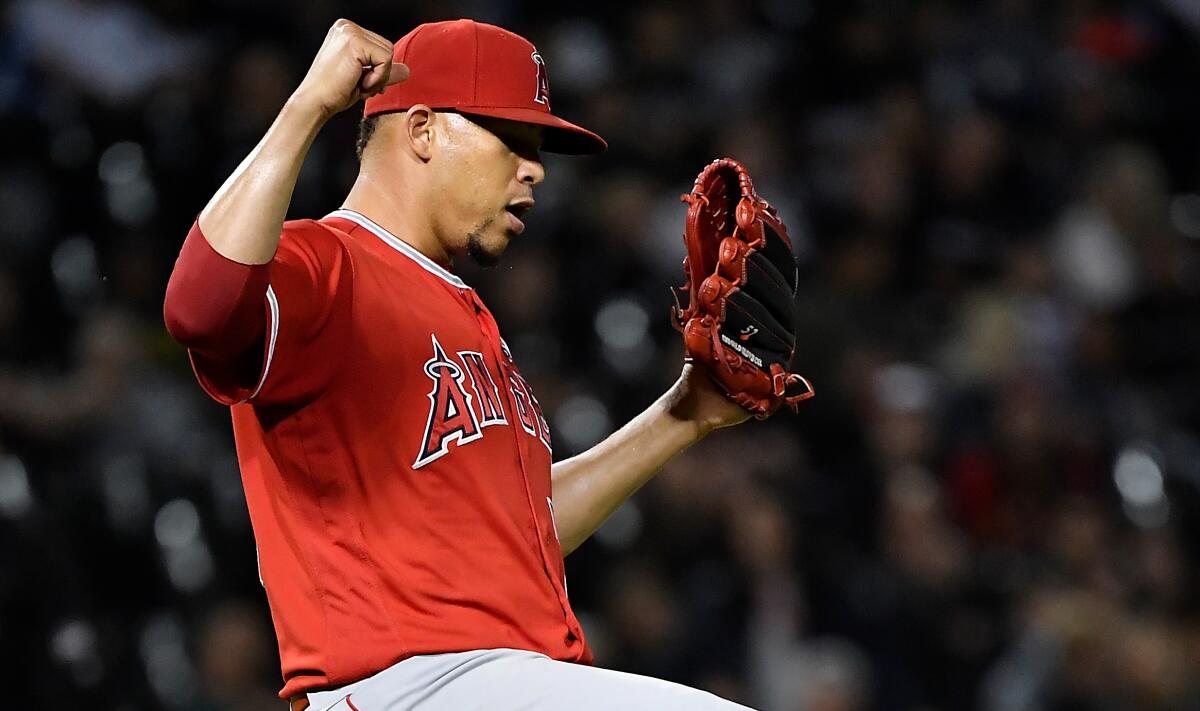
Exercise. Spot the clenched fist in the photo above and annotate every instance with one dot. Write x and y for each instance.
(353, 62)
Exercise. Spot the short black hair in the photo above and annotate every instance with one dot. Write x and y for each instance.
(366, 129)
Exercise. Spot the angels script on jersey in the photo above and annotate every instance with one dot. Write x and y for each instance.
(465, 399)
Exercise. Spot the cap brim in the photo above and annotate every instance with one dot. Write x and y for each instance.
(560, 137)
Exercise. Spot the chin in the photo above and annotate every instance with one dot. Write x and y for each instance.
(486, 253)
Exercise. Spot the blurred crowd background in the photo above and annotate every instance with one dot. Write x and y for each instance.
(991, 504)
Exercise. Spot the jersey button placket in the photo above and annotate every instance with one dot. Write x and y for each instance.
(488, 324)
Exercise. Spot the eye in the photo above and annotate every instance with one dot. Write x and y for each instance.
(524, 140)
(526, 146)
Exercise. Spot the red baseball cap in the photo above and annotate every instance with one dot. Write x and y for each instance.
(480, 69)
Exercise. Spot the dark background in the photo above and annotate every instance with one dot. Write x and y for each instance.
(991, 503)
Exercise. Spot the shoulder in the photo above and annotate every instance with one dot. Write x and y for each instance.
(313, 231)
(314, 247)
(312, 237)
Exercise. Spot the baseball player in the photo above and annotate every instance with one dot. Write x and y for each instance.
(410, 522)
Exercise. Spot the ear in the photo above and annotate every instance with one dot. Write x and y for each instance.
(419, 125)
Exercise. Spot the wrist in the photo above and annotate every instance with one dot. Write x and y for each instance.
(696, 399)
(303, 108)
(682, 403)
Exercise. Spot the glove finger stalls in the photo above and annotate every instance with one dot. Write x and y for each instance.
(757, 276)
(778, 252)
(758, 262)
(731, 258)
(711, 296)
(753, 326)
(764, 285)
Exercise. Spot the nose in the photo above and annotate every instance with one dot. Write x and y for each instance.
(530, 172)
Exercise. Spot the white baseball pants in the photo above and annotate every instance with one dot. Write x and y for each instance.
(510, 680)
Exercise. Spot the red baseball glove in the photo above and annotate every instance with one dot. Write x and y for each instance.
(741, 292)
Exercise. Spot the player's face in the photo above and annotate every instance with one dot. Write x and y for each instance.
(488, 180)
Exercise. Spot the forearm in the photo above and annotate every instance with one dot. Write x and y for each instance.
(244, 218)
(589, 487)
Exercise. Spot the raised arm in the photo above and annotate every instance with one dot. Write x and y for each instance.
(214, 300)
(242, 221)
(589, 487)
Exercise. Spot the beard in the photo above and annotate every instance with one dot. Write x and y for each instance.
(478, 251)
(480, 254)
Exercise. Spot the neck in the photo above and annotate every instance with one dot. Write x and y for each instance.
(392, 203)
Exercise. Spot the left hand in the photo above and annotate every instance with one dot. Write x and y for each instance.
(694, 397)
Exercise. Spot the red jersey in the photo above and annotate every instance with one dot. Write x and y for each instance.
(396, 465)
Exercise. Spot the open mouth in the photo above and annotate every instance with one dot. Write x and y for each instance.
(518, 208)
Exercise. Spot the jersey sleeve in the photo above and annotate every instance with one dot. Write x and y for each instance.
(300, 314)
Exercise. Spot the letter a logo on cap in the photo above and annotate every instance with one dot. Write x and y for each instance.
(543, 82)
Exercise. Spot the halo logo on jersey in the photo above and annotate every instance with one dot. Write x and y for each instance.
(487, 394)
(451, 418)
(542, 95)
(466, 398)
